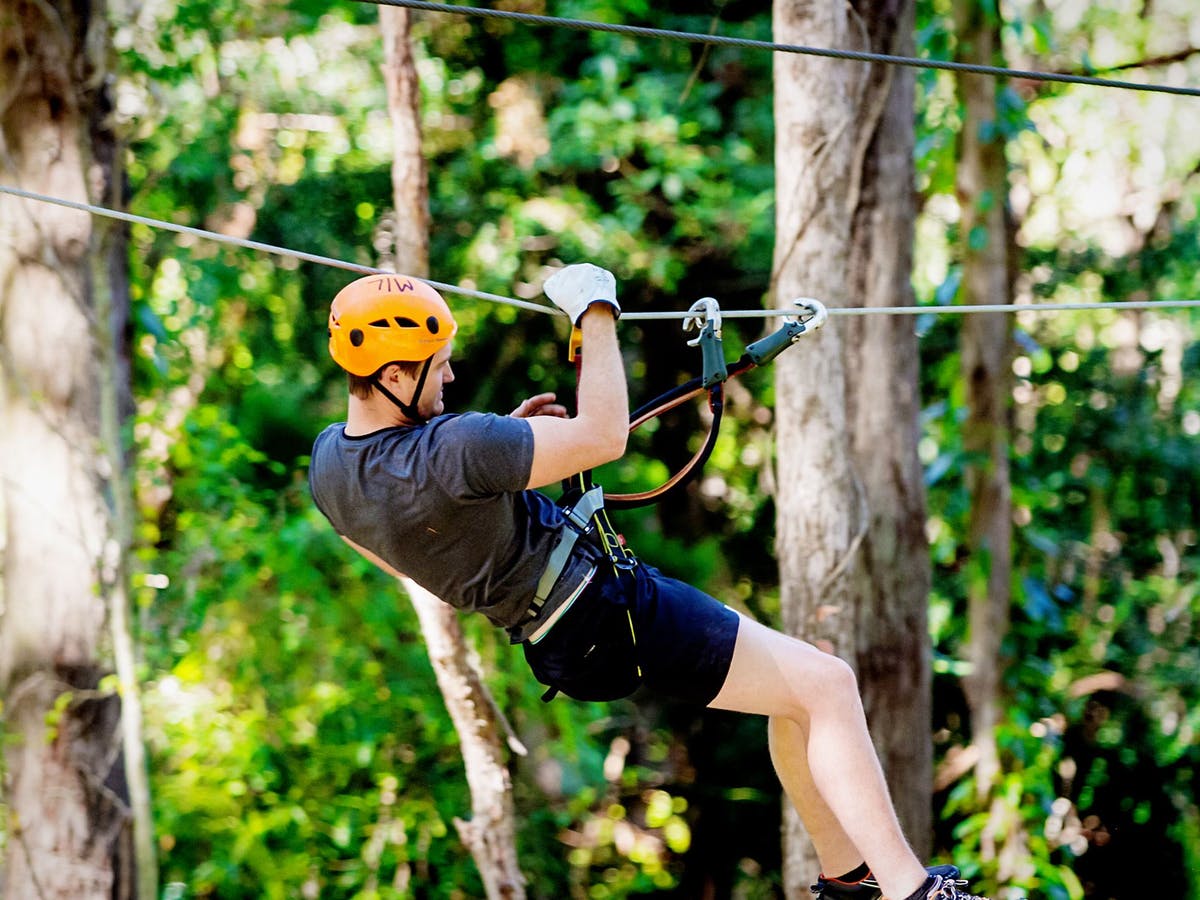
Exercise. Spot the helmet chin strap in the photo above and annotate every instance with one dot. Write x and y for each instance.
(410, 410)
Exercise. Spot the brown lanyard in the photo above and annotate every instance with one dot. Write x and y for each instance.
(716, 373)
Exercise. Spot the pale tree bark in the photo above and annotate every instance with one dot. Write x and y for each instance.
(883, 396)
(490, 834)
(410, 176)
(67, 817)
(986, 347)
(850, 508)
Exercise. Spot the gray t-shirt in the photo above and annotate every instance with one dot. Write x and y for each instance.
(445, 504)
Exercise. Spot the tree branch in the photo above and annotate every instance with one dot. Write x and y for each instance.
(1151, 62)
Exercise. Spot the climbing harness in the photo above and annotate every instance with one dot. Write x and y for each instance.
(587, 530)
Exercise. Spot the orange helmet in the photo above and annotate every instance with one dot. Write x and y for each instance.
(387, 318)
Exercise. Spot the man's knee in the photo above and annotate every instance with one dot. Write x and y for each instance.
(841, 677)
(836, 678)
(827, 682)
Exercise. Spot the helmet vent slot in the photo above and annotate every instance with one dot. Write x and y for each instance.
(381, 323)
(405, 322)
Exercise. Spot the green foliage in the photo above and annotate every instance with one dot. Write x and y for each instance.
(1099, 741)
(300, 747)
(1095, 742)
(293, 741)
(1098, 745)
(299, 742)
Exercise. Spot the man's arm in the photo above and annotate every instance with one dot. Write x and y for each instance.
(599, 430)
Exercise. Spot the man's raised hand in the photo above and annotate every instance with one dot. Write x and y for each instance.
(576, 287)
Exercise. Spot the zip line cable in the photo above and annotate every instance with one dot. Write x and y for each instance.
(258, 245)
(752, 44)
(631, 315)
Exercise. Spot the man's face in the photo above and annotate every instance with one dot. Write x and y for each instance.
(440, 375)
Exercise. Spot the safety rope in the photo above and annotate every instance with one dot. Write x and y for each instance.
(627, 315)
(706, 317)
(752, 44)
(259, 246)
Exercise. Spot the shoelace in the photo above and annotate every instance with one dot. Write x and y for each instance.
(947, 889)
(825, 884)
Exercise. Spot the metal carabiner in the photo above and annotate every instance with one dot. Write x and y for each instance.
(764, 350)
(708, 312)
(708, 321)
(818, 314)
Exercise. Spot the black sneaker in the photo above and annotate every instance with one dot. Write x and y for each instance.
(868, 888)
(949, 888)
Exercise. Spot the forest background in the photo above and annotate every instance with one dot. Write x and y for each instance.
(298, 744)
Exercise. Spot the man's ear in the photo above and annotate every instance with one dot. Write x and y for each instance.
(391, 374)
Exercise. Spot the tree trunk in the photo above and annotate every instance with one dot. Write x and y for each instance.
(410, 191)
(490, 835)
(820, 505)
(883, 396)
(67, 819)
(986, 366)
(854, 570)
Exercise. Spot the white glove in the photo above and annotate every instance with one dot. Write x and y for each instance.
(574, 288)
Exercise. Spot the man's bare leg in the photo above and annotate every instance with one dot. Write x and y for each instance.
(788, 741)
(775, 675)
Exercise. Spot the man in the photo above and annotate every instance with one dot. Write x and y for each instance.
(452, 502)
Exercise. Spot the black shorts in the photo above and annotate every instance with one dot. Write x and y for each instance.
(627, 630)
